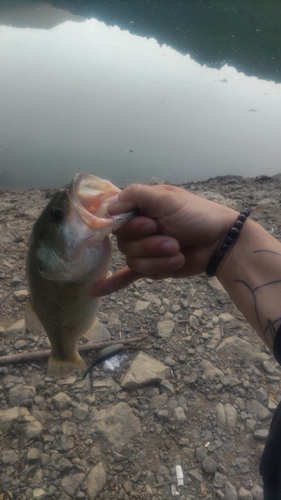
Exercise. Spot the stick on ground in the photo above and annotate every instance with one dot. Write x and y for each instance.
(31, 356)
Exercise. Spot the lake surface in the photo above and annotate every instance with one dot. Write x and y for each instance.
(81, 93)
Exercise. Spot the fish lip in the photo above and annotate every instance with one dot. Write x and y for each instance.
(89, 195)
(98, 217)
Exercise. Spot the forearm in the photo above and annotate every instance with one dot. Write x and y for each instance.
(251, 274)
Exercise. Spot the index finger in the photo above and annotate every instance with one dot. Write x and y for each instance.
(138, 196)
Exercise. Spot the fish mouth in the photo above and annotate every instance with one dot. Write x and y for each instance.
(89, 195)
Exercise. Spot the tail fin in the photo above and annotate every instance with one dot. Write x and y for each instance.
(59, 368)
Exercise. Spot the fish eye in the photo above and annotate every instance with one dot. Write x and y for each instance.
(56, 215)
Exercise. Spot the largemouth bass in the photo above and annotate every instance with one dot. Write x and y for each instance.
(69, 251)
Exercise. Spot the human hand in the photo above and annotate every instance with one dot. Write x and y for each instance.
(176, 235)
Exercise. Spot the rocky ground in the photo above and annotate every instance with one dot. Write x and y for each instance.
(199, 392)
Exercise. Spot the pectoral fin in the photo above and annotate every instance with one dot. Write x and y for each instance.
(32, 322)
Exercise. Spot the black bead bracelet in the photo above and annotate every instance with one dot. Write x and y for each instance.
(233, 233)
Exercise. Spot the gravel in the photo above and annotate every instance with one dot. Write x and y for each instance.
(199, 392)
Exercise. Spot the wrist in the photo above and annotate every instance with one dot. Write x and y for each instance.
(227, 243)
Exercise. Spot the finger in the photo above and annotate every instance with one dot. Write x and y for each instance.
(137, 228)
(152, 246)
(157, 265)
(128, 201)
(116, 282)
(138, 196)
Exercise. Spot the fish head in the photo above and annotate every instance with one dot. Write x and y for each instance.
(70, 231)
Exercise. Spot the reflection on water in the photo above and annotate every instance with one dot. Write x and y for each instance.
(85, 97)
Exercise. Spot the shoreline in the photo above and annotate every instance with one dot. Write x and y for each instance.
(156, 180)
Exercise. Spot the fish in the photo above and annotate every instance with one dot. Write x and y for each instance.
(69, 251)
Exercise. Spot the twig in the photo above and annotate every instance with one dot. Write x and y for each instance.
(74, 449)
(31, 356)
(165, 483)
(11, 292)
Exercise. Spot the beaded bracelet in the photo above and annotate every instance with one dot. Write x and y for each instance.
(233, 234)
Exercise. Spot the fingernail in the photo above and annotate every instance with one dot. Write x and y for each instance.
(113, 200)
(170, 247)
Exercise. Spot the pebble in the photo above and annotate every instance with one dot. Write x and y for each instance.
(261, 434)
(219, 480)
(141, 305)
(20, 344)
(162, 415)
(257, 493)
(180, 415)
(196, 475)
(260, 412)
(243, 464)
(69, 428)
(39, 494)
(236, 347)
(33, 455)
(71, 482)
(21, 295)
(209, 465)
(244, 494)
(8, 416)
(165, 328)
(117, 425)
(144, 370)
(16, 330)
(81, 412)
(201, 453)
(269, 367)
(167, 387)
(33, 430)
(62, 401)
(22, 395)
(230, 491)
(9, 457)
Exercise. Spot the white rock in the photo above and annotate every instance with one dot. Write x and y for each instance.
(116, 424)
(141, 305)
(165, 328)
(226, 317)
(244, 494)
(114, 319)
(96, 481)
(144, 370)
(39, 494)
(62, 401)
(231, 416)
(209, 371)
(8, 416)
(22, 395)
(238, 348)
(21, 295)
(221, 417)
